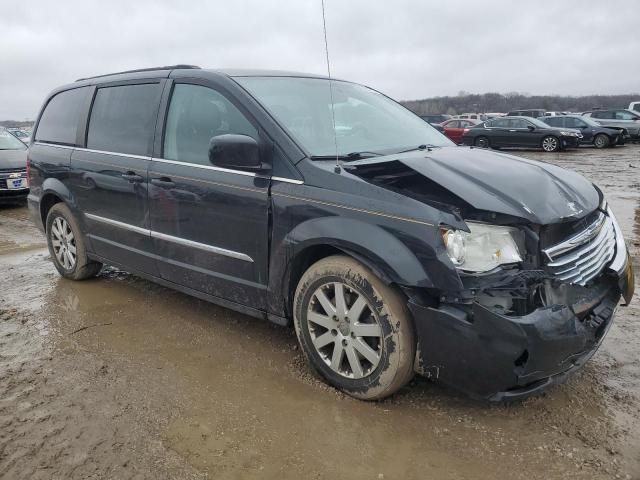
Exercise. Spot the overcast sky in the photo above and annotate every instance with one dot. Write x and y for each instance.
(406, 48)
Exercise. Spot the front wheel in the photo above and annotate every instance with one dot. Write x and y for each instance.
(601, 141)
(482, 142)
(66, 245)
(550, 144)
(355, 331)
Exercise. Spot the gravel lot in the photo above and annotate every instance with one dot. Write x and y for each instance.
(120, 378)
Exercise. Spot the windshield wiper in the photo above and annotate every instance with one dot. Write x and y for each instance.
(424, 146)
(348, 157)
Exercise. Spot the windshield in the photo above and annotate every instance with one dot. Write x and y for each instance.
(9, 142)
(365, 120)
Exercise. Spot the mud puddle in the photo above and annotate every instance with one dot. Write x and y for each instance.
(120, 378)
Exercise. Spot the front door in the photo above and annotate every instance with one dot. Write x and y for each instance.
(109, 176)
(209, 225)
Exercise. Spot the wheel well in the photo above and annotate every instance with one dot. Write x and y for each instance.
(48, 201)
(311, 255)
(301, 263)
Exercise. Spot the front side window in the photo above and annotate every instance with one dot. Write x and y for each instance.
(553, 121)
(572, 122)
(59, 121)
(9, 142)
(123, 118)
(196, 114)
(518, 123)
(365, 120)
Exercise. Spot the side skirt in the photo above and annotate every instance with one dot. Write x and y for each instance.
(252, 312)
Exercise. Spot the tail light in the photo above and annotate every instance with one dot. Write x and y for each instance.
(465, 130)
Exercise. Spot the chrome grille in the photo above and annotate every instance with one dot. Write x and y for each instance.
(582, 257)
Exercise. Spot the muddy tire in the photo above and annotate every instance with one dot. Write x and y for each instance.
(482, 142)
(355, 331)
(601, 141)
(550, 143)
(67, 246)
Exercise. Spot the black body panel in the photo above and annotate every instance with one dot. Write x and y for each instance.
(243, 237)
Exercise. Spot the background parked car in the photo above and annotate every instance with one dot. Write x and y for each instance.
(435, 118)
(13, 168)
(629, 120)
(21, 135)
(455, 128)
(521, 132)
(592, 132)
(533, 113)
(635, 106)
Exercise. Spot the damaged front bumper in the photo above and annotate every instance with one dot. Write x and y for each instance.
(498, 357)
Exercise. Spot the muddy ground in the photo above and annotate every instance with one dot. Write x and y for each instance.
(120, 378)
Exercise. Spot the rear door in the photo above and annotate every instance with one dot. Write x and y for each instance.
(110, 181)
(209, 225)
(499, 132)
(453, 131)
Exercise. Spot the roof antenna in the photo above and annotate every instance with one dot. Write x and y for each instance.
(333, 114)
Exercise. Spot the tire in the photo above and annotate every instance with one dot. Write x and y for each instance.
(369, 366)
(550, 143)
(63, 237)
(482, 142)
(601, 140)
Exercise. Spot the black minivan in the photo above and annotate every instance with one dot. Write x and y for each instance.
(324, 204)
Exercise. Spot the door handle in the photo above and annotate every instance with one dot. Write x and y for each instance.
(133, 177)
(163, 182)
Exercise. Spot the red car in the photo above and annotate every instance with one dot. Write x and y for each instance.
(455, 128)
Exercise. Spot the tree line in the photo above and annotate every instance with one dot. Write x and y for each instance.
(497, 102)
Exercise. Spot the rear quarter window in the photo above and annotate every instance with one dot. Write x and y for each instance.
(59, 121)
(123, 118)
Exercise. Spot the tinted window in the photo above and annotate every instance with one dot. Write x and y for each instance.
(602, 114)
(59, 121)
(518, 123)
(553, 121)
(500, 123)
(123, 118)
(572, 122)
(196, 114)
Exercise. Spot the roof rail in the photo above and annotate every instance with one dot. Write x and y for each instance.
(166, 67)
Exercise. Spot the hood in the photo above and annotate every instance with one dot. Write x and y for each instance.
(538, 192)
(13, 159)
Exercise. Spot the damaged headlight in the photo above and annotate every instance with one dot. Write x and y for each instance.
(484, 248)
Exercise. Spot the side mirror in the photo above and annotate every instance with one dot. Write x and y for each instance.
(235, 151)
(531, 128)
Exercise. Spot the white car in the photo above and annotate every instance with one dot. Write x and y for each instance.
(23, 136)
(635, 106)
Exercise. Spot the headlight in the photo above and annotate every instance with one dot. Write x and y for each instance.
(484, 248)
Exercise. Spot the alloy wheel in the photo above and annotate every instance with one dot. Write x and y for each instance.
(64, 243)
(550, 144)
(344, 330)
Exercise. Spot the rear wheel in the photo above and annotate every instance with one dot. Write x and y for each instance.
(67, 246)
(355, 331)
(550, 144)
(601, 141)
(482, 142)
